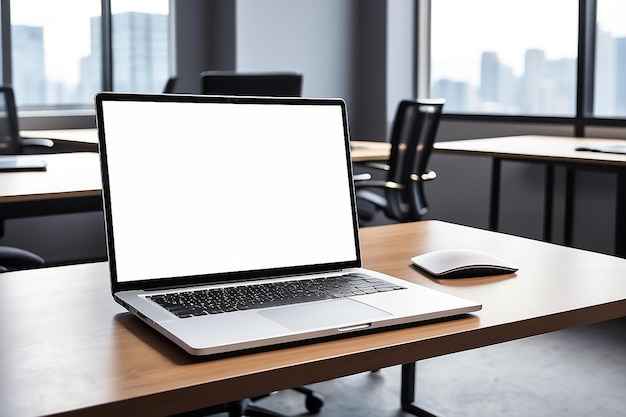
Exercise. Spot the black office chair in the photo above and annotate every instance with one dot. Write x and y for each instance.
(412, 136)
(169, 85)
(276, 84)
(14, 258)
(314, 403)
(11, 142)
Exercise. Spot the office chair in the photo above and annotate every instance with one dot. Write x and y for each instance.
(314, 403)
(412, 137)
(276, 84)
(169, 85)
(11, 142)
(14, 258)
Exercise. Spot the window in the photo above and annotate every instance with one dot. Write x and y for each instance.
(610, 63)
(50, 48)
(140, 45)
(505, 57)
(56, 50)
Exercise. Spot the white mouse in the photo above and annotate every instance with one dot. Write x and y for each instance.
(462, 263)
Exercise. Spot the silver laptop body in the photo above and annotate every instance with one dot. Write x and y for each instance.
(204, 192)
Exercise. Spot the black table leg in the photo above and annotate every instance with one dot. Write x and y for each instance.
(407, 392)
(548, 203)
(568, 218)
(620, 213)
(494, 205)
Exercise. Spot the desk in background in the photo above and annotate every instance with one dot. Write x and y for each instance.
(363, 151)
(551, 151)
(75, 178)
(67, 140)
(68, 348)
(71, 183)
(88, 139)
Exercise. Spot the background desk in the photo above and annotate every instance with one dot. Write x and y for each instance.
(68, 348)
(85, 140)
(77, 176)
(369, 151)
(70, 183)
(550, 151)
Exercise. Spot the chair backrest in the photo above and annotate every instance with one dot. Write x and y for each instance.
(10, 141)
(15, 258)
(169, 85)
(277, 84)
(412, 136)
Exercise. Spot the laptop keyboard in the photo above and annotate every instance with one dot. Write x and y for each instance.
(220, 300)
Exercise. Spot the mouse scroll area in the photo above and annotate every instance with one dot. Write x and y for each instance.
(462, 263)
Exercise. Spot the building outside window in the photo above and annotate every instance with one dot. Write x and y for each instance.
(505, 57)
(56, 50)
(610, 62)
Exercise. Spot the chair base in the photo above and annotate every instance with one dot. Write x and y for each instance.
(313, 402)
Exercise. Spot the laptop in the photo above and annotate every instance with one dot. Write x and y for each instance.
(211, 197)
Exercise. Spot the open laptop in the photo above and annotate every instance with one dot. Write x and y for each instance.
(206, 192)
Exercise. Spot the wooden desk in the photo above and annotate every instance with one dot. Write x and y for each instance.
(67, 348)
(70, 183)
(369, 151)
(85, 140)
(75, 178)
(361, 150)
(550, 151)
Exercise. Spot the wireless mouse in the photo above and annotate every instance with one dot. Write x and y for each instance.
(462, 263)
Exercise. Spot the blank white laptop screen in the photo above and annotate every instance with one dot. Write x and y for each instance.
(199, 188)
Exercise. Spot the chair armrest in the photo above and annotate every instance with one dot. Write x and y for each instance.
(378, 184)
(427, 176)
(376, 165)
(362, 177)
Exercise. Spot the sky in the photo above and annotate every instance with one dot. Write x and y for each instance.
(462, 30)
(66, 28)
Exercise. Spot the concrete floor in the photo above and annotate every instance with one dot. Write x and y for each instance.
(575, 372)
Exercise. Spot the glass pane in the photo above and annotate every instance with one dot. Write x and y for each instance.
(56, 60)
(140, 45)
(610, 71)
(505, 57)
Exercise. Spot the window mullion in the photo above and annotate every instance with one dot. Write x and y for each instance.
(586, 63)
(107, 52)
(5, 37)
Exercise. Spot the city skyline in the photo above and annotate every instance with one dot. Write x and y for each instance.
(545, 86)
(140, 47)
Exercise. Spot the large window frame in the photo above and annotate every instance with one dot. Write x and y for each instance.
(61, 117)
(583, 118)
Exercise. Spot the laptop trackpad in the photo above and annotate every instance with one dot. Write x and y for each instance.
(334, 313)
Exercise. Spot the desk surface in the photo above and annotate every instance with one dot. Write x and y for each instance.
(68, 348)
(369, 151)
(552, 148)
(71, 135)
(361, 151)
(67, 175)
